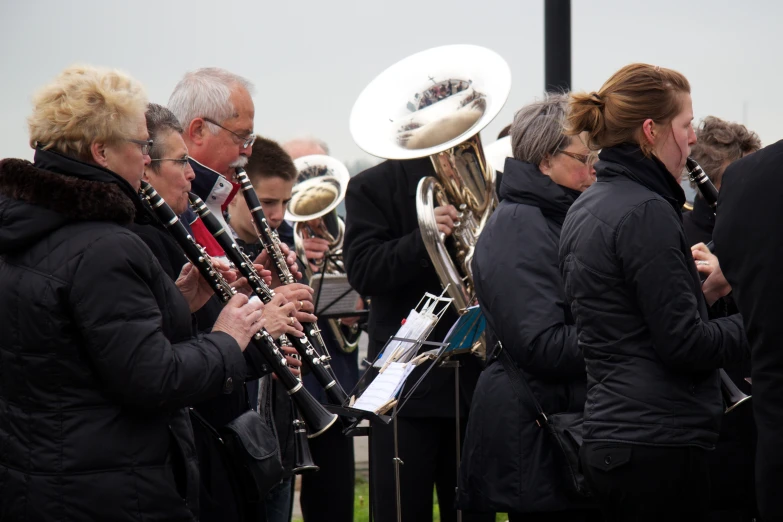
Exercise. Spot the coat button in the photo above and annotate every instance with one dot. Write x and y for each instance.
(229, 386)
(693, 389)
(608, 460)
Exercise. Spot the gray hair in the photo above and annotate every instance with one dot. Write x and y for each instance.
(306, 142)
(160, 121)
(206, 93)
(539, 128)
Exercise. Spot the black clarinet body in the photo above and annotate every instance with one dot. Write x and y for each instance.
(706, 188)
(303, 345)
(318, 420)
(317, 358)
(732, 395)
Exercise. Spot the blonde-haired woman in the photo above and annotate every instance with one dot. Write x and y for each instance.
(653, 403)
(97, 357)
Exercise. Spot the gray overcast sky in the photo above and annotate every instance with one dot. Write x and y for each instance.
(310, 59)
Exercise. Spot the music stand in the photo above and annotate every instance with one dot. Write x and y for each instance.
(341, 297)
(403, 392)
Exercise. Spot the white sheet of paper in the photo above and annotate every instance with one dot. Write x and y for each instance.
(415, 327)
(384, 387)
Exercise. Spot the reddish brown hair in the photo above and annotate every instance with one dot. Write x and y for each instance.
(615, 113)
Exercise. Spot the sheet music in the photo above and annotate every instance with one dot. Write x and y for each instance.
(329, 300)
(415, 328)
(385, 387)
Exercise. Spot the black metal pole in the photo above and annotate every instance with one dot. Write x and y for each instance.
(557, 45)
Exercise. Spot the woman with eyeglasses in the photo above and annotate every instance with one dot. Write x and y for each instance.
(97, 354)
(508, 462)
(653, 404)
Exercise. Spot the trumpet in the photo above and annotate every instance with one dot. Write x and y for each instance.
(732, 395)
(321, 185)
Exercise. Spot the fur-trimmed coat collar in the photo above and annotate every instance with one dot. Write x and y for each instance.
(36, 201)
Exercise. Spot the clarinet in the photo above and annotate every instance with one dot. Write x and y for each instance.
(271, 242)
(732, 395)
(304, 347)
(317, 418)
(706, 188)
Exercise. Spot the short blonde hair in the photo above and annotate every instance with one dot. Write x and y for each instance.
(82, 105)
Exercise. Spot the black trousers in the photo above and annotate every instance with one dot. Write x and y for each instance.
(646, 483)
(327, 494)
(428, 450)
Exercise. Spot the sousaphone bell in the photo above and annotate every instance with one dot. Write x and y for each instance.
(434, 103)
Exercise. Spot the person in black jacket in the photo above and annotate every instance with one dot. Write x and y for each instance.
(170, 173)
(731, 464)
(386, 260)
(653, 403)
(272, 173)
(508, 462)
(328, 494)
(98, 356)
(749, 242)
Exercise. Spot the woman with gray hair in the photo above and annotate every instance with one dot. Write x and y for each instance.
(509, 462)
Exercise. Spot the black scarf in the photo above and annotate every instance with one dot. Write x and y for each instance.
(524, 183)
(649, 172)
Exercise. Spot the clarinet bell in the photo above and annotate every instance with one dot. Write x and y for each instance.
(732, 395)
(303, 463)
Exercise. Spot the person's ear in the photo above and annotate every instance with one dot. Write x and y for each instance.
(98, 152)
(545, 166)
(649, 130)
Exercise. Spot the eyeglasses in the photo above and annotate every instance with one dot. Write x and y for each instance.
(145, 145)
(246, 141)
(182, 161)
(588, 160)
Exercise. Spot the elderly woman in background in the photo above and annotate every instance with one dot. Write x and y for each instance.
(508, 461)
(97, 356)
(719, 144)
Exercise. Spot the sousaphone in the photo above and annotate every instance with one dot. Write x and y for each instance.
(434, 103)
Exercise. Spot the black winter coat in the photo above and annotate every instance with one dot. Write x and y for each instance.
(97, 358)
(507, 461)
(386, 260)
(746, 234)
(219, 498)
(651, 353)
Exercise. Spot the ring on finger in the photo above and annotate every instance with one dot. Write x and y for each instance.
(292, 321)
(301, 305)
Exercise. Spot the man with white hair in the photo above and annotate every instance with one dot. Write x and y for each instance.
(216, 110)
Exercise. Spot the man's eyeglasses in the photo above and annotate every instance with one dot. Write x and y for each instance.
(246, 141)
(588, 160)
(182, 161)
(145, 145)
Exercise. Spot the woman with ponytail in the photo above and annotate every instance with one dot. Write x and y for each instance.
(653, 405)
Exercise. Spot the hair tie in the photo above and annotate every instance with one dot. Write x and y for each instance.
(596, 98)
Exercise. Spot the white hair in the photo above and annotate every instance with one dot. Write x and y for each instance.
(206, 93)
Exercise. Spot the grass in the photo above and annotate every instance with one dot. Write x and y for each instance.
(361, 508)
